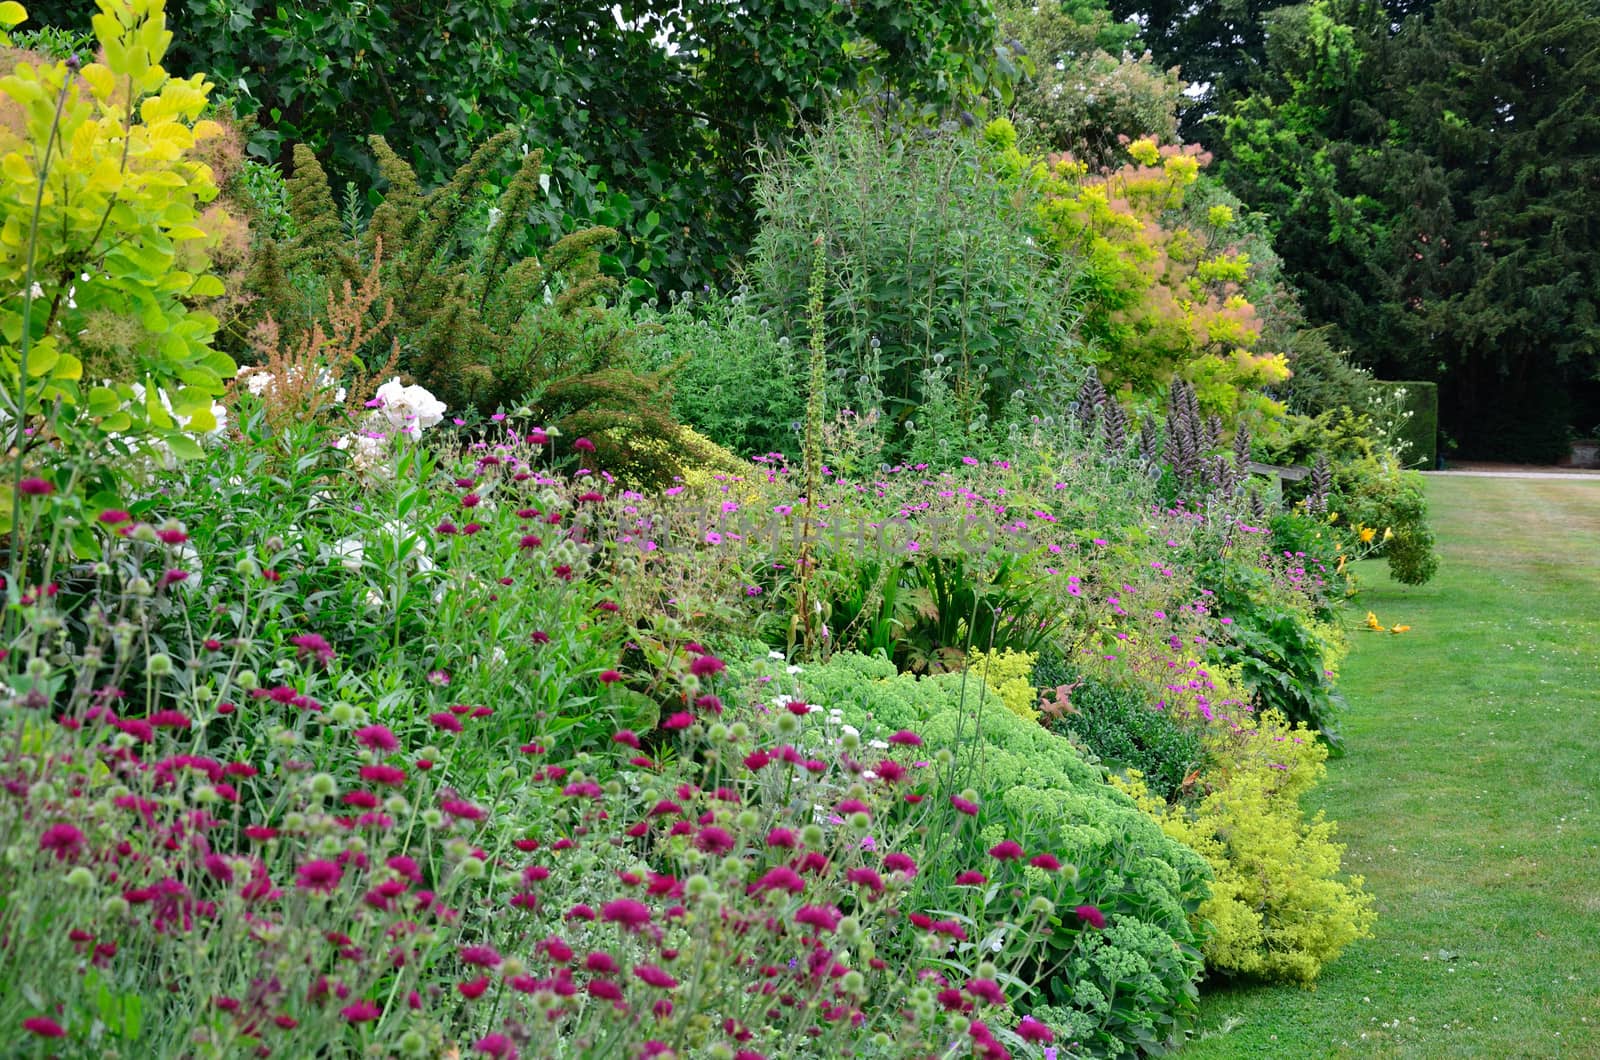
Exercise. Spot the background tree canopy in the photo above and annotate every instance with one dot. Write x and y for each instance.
(646, 109)
(1428, 170)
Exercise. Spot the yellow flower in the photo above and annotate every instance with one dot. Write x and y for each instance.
(1400, 629)
(1373, 623)
(1367, 533)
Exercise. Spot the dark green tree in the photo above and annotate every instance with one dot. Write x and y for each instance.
(646, 109)
(1220, 48)
(1437, 192)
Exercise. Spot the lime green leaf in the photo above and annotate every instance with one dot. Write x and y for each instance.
(183, 447)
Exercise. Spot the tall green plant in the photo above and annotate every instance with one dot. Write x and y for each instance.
(933, 266)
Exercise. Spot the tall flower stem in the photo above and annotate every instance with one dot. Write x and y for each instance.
(805, 619)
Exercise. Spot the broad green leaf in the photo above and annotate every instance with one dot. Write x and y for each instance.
(183, 447)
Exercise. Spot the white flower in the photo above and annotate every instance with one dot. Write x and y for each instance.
(255, 380)
(348, 551)
(410, 409)
(367, 454)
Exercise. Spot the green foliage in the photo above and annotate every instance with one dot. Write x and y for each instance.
(1324, 379)
(1085, 89)
(649, 140)
(1120, 726)
(473, 312)
(102, 235)
(1444, 223)
(1126, 990)
(1412, 411)
(1163, 292)
(1279, 908)
(932, 281)
(1007, 673)
(1280, 655)
(739, 383)
(1369, 487)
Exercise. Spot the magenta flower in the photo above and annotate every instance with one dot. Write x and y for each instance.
(603, 963)
(706, 665)
(781, 878)
(1031, 1030)
(43, 1026)
(986, 990)
(898, 862)
(906, 738)
(714, 840)
(821, 918)
(319, 875)
(681, 720)
(496, 1045)
(391, 776)
(1047, 862)
(377, 738)
(1091, 915)
(1006, 850)
(653, 976)
(361, 1012)
(480, 956)
(64, 840)
(971, 879)
(626, 737)
(628, 912)
(445, 720)
(583, 445)
(115, 517)
(461, 808)
(966, 806)
(35, 487)
(313, 644)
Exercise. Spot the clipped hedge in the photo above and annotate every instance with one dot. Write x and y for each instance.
(1420, 432)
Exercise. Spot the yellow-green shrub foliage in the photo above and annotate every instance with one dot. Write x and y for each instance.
(102, 233)
(1162, 296)
(1008, 674)
(1279, 908)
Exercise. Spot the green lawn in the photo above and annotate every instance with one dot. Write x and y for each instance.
(1470, 800)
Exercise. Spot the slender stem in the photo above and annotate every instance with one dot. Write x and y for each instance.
(14, 566)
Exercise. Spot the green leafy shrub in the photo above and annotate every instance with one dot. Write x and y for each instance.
(1369, 489)
(1281, 656)
(476, 315)
(1121, 728)
(1279, 908)
(1324, 379)
(1410, 414)
(1006, 674)
(929, 266)
(737, 380)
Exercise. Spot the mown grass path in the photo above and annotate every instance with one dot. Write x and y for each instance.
(1469, 799)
